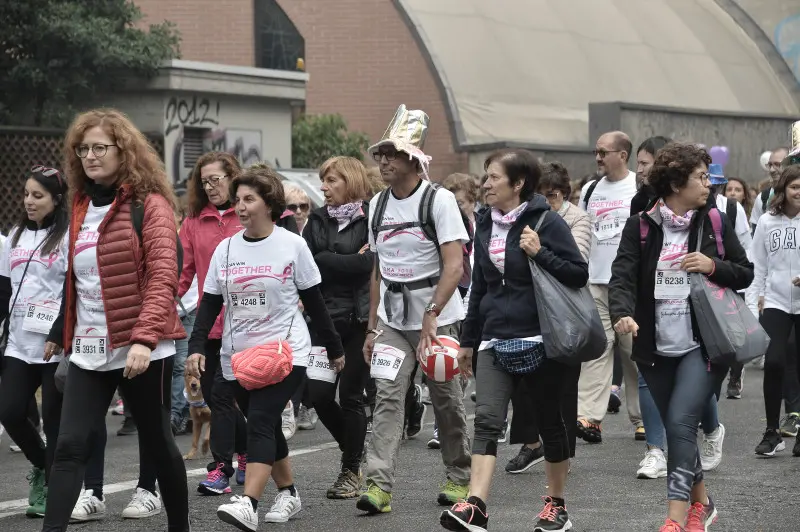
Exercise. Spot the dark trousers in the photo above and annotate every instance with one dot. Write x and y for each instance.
(17, 388)
(778, 325)
(346, 420)
(86, 398)
(207, 380)
(791, 377)
(495, 387)
(263, 408)
(524, 427)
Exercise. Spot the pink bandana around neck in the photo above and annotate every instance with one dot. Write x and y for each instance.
(672, 220)
(508, 219)
(344, 213)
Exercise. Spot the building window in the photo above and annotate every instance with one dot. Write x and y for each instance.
(279, 45)
(193, 144)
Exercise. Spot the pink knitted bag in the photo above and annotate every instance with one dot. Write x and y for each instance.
(262, 365)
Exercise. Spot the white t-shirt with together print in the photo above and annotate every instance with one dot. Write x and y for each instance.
(609, 208)
(41, 291)
(260, 283)
(89, 346)
(407, 255)
(674, 335)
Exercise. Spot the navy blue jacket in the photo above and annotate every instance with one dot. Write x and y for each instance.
(504, 305)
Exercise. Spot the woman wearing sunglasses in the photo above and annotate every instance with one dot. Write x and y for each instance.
(33, 265)
(119, 316)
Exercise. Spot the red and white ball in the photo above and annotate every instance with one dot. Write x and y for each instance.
(441, 363)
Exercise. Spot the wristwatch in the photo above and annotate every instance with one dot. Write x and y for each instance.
(433, 307)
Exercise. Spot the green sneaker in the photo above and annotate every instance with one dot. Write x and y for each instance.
(36, 480)
(37, 507)
(375, 500)
(452, 493)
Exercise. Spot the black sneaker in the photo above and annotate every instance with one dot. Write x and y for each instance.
(415, 413)
(734, 388)
(128, 427)
(771, 443)
(796, 449)
(552, 518)
(614, 402)
(465, 516)
(526, 459)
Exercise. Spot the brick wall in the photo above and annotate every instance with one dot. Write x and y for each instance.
(361, 57)
(364, 62)
(215, 31)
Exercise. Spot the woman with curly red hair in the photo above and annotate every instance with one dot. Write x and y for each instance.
(118, 316)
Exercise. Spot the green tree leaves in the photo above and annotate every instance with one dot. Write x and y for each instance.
(316, 138)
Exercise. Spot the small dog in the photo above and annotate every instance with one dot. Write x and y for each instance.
(200, 414)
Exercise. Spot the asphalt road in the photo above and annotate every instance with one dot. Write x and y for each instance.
(603, 494)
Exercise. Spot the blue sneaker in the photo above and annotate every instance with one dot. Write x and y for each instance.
(216, 482)
(241, 468)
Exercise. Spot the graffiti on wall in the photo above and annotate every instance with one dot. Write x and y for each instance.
(199, 116)
(787, 41)
(193, 112)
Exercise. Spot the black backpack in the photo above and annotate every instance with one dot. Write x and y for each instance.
(137, 219)
(589, 192)
(731, 209)
(765, 199)
(425, 217)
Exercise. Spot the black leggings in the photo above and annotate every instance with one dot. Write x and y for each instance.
(524, 427)
(778, 325)
(17, 388)
(263, 408)
(346, 420)
(87, 395)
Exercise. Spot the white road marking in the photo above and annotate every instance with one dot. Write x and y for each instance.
(18, 506)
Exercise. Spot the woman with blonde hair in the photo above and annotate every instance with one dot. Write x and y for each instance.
(337, 237)
(119, 322)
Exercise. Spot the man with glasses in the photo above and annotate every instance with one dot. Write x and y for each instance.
(608, 202)
(774, 168)
(416, 232)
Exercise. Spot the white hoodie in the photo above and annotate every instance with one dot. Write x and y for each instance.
(776, 257)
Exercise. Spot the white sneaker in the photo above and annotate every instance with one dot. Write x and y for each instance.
(88, 507)
(307, 418)
(288, 423)
(654, 465)
(425, 396)
(711, 448)
(143, 504)
(285, 507)
(239, 513)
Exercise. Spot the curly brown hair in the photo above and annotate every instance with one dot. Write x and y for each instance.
(465, 183)
(673, 165)
(778, 201)
(267, 183)
(198, 199)
(141, 168)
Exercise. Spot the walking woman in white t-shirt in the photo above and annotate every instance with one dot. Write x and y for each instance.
(261, 275)
(32, 269)
(775, 295)
(119, 317)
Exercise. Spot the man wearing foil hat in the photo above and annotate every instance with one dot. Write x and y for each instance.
(416, 232)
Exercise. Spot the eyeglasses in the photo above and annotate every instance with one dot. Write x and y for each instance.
(551, 194)
(212, 180)
(390, 155)
(99, 150)
(705, 176)
(603, 153)
(294, 207)
(48, 172)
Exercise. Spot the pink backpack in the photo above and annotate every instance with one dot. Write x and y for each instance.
(716, 224)
(262, 365)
